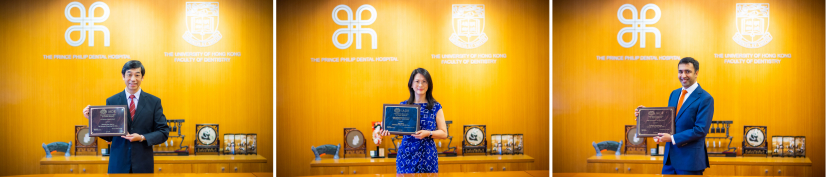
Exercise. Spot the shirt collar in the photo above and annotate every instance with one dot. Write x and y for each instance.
(690, 89)
(137, 94)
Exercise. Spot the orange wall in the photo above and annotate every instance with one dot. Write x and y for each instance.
(41, 100)
(593, 99)
(316, 100)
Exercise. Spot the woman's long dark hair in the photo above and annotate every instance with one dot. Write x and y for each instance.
(430, 100)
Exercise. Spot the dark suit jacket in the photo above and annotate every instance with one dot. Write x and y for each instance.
(149, 122)
(692, 124)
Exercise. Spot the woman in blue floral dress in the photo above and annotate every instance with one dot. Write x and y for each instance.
(417, 152)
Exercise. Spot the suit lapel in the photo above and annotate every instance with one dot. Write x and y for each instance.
(691, 98)
(141, 105)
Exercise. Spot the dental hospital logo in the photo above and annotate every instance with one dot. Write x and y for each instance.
(638, 23)
(468, 24)
(354, 26)
(87, 23)
(752, 21)
(202, 23)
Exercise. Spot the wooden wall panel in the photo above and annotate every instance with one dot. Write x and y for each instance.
(317, 100)
(594, 99)
(41, 100)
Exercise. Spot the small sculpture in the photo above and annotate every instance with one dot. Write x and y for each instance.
(59, 147)
(325, 149)
(609, 145)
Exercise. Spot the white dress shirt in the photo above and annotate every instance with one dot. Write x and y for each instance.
(137, 97)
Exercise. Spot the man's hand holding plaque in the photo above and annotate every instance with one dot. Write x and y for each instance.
(657, 122)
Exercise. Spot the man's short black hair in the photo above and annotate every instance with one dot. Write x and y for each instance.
(688, 60)
(132, 65)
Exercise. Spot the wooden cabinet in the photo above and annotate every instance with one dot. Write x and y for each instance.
(791, 171)
(514, 166)
(445, 168)
(329, 171)
(446, 164)
(727, 166)
(480, 167)
(636, 168)
(367, 169)
(749, 170)
(173, 168)
(92, 168)
(163, 164)
(58, 169)
(727, 170)
(246, 167)
(604, 167)
(211, 168)
(392, 169)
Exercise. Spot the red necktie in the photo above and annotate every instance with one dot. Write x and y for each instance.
(680, 103)
(132, 106)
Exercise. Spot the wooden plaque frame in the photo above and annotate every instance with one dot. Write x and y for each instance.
(362, 149)
(468, 148)
(761, 149)
(631, 148)
(200, 146)
(85, 148)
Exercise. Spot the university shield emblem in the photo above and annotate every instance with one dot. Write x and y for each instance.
(202, 23)
(752, 25)
(468, 25)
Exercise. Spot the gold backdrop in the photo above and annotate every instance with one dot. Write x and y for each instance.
(594, 99)
(316, 100)
(41, 99)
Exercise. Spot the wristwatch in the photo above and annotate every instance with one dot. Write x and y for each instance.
(431, 134)
(142, 138)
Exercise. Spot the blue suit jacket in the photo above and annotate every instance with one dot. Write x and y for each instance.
(692, 124)
(149, 122)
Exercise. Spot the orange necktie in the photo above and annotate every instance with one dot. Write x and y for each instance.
(680, 103)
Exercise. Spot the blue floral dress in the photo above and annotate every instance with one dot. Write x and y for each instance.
(419, 155)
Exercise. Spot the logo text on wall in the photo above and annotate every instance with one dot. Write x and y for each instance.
(202, 23)
(87, 23)
(354, 26)
(638, 25)
(468, 25)
(752, 21)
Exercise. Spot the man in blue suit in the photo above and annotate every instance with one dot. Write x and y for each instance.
(146, 122)
(685, 152)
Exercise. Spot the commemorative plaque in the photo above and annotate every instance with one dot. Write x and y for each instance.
(754, 141)
(653, 120)
(107, 120)
(401, 119)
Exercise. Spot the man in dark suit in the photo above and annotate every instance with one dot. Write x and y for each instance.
(146, 122)
(685, 152)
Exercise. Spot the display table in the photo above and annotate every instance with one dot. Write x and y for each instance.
(163, 164)
(329, 166)
(739, 166)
